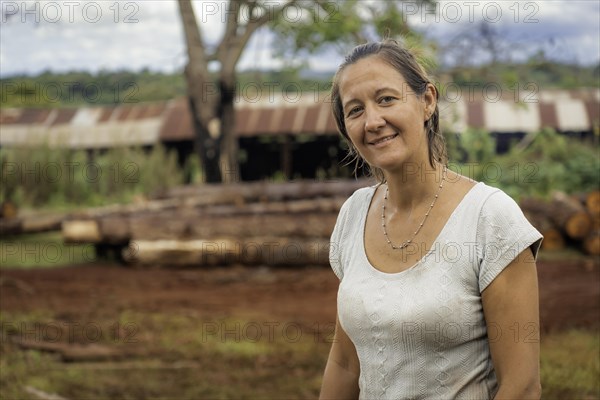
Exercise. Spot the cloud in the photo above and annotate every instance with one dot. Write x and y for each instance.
(93, 35)
(565, 30)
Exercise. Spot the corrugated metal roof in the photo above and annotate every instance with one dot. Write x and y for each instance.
(504, 116)
(176, 122)
(147, 123)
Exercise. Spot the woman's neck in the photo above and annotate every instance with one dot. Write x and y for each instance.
(413, 184)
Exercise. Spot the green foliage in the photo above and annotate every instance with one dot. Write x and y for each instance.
(61, 178)
(475, 145)
(75, 89)
(341, 26)
(551, 162)
(527, 76)
(78, 88)
(331, 24)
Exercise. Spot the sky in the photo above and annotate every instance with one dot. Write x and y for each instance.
(95, 35)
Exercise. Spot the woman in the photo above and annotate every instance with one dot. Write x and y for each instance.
(438, 293)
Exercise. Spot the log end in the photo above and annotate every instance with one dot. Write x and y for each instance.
(81, 231)
(591, 244)
(578, 225)
(553, 240)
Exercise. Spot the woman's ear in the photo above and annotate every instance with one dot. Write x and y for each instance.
(430, 100)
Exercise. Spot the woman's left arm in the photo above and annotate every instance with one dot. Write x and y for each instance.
(511, 308)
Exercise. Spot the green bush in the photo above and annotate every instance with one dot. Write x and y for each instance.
(64, 178)
(551, 162)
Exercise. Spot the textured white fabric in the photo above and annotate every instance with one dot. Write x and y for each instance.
(421, 333)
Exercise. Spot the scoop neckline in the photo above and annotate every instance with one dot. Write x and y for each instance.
(434, 244)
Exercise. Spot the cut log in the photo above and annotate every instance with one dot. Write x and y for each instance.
(34, 223)
(115, 230)
(319, 205)
(42, 223)
(570, 216)
(595, 223)
(592, 202)
(12, 226)
(226, 251)
(81, 231)
(553, 239)
(8, 210)
(536, 206)
(234, 195)
(266, 191)
(591, 244)
(116, 210)
(178, 226)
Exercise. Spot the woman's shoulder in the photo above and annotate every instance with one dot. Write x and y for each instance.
(495, 199)
(479, 191)
(360, 197)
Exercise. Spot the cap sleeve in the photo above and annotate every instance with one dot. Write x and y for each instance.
(503, 233)
(336, 241)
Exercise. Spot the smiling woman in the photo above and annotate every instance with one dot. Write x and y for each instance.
(435, 269)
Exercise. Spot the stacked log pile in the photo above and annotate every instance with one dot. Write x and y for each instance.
(13, 224)
(266, 223)
(567, 221)
(252, 223)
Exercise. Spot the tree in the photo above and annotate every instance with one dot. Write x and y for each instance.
(321, 23)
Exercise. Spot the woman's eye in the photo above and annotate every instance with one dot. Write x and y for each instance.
(353, 111)
(386, 99)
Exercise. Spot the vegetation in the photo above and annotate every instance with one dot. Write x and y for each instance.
(49, 90)
(570, 365)
(551, 162)
(57, 179)
(77, 88)
(43, 250)
(174, 359)
(64, 178)
(544, 74)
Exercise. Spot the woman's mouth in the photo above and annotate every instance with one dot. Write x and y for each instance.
(384, 140)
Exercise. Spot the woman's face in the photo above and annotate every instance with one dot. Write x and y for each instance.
(384, 118)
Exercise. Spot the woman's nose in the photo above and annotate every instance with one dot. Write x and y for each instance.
(374, 120)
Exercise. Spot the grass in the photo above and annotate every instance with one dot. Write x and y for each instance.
(570, 365)
(42, 250)
(181, 360)
(185, 357)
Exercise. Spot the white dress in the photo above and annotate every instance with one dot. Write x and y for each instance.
(421, 333)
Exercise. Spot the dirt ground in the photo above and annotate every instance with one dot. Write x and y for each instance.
(569, 292)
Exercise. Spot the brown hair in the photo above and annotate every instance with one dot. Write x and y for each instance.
(407, 65)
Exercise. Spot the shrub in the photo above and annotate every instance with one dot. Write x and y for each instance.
(551, 162)
(59, 177)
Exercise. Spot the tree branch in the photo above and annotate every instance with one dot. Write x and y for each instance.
(231, 53)
(196, 70)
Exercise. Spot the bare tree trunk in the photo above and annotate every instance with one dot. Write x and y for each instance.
(202, 98)
(212, 105)
(207, 148)
(229, 145)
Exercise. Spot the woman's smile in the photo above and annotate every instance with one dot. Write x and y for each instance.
(381, 142)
